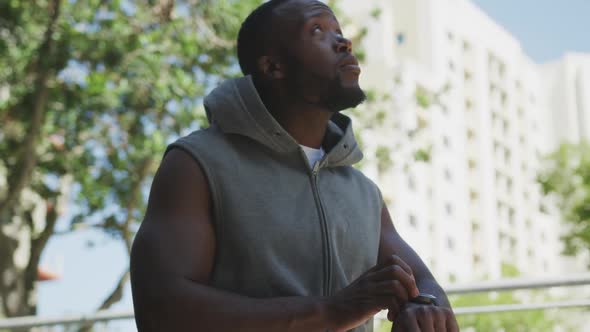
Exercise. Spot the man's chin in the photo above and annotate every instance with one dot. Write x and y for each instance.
(344, 98)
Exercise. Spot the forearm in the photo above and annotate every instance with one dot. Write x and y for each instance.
(430, 286)
(189, 306)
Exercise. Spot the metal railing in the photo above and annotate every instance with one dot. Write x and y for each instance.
(492, 286)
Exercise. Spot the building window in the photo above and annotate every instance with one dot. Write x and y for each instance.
(450, 243)
(543, 208)
(468, 104)
(472, 164)
(466, 46)
(470, 134)
(473, 195)
(507, 156)
(452, 278)
(476, 259)
(504, 99)
(446, 142)
(445, 109)
(411, 183)
(451, 66)
(448, 175)
(449, 209)
(467, 75)
(413, 221)
(496, 147)
(474, 226)
(501, 70)
(492, 88)
(401, 38)
(450, 36)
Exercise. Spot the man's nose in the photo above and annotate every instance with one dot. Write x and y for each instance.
(343, 45)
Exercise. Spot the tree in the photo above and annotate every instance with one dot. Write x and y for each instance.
(90, 94)
(566, 179)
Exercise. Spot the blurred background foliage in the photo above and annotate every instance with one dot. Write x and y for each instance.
(566, 179)
(90, 94)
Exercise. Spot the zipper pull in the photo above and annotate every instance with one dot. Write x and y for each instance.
(316, 168)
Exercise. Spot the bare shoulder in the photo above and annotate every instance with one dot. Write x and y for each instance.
(176, 237)
(179, 187)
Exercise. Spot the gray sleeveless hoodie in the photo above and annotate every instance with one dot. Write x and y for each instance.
(282, 227)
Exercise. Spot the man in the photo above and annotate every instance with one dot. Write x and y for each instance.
(260, 222)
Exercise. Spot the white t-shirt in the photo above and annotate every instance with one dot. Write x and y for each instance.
(313, 155)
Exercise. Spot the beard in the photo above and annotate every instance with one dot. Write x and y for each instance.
(337, 97)
(329, 93)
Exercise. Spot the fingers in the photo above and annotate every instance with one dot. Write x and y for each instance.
(407, 324)
(398, 261)
(452, 325)
(440, 320)
(426, 319)
(391, 289)
(390, 260)
(396, 273)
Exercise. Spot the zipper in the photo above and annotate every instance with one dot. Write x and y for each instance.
(315, 172)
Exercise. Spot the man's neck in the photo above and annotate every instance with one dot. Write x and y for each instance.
(306, 125)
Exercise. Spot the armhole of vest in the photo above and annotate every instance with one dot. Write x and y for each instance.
(381, 199)
(184, 146)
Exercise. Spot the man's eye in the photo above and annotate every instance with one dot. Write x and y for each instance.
(316, 28)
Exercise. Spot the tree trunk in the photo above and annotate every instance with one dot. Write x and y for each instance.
(17, 300)
(20, 250)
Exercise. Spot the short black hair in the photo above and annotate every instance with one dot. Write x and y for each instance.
(254, 38)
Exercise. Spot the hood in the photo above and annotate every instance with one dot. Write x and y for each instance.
(236, 108)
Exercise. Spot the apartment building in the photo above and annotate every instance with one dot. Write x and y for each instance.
(475, 208)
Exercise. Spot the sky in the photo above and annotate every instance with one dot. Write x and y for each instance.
(546, 29)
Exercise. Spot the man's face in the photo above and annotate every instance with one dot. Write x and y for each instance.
(319, 60)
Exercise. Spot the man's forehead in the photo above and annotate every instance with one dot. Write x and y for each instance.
(305, 9)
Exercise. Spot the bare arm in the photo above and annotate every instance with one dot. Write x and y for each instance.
(415, 317)
(393, 244)
(172, 259)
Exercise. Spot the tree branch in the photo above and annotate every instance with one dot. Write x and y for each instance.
(114, 297)
(28, 155)
(117, 293)
(135, 195)
(163, 10)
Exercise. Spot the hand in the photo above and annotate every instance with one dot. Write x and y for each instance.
(387, 285)
(425, 318)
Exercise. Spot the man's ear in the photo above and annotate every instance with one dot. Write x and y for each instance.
(271, 67)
